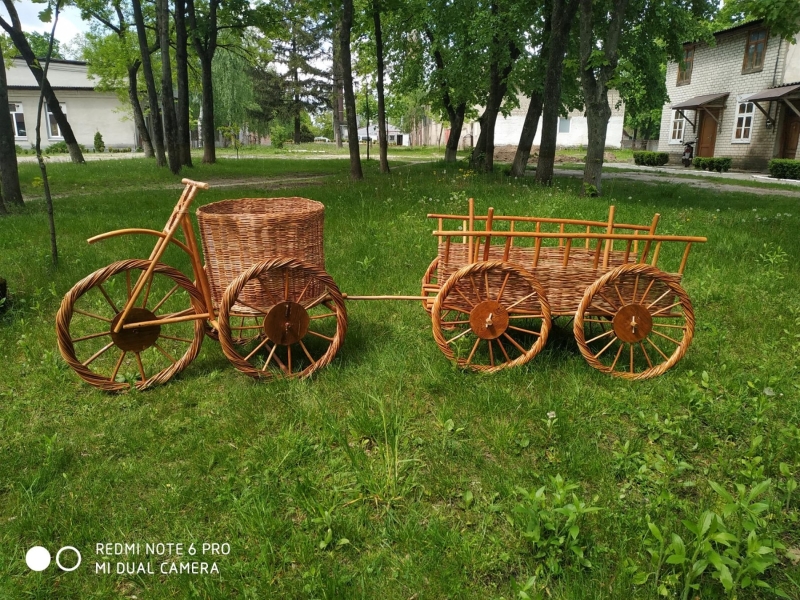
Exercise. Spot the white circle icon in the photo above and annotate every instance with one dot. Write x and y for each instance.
(58, 556)
(37, 558)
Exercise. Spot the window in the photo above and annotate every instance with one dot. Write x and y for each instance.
(17, 120)
(685, 66)
(754, 51)
(676, 136)
(563, 125)
(52, 126)
(744, 122)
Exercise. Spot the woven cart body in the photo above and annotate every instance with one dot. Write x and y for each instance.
(236, 234)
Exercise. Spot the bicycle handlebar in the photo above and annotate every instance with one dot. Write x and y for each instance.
(198, 184)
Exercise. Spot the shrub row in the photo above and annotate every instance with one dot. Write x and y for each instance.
(650, 159)
(784, 168)
(721, 165)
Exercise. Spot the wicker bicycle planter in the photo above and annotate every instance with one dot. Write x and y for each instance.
(237, 234)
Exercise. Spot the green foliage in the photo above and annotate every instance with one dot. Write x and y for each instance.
(784, 168)
(39, 42)
(550, 518)
(651, 159)
(57, 148)
(99, 144)
(719, 164)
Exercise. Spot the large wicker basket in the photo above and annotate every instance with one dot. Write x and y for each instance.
(239, 233)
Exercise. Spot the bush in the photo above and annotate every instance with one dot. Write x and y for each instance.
(118, 150)
(99, 144)
(650, 159)
(57, 148)
(721, 165)
(784, 168)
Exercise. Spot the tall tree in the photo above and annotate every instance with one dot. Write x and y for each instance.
(562, 19)
(182, 74)
(14, 30)
(150, 82)
(167, 92)
(9, 175)
(204, 32)
(382, 139)
(337, 95)
(349, 95)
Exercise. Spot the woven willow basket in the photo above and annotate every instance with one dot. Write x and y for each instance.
(236, 234)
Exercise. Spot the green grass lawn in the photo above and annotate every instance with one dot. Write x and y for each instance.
(390, 474)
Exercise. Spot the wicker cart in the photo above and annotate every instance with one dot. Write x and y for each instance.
(263, 293)
(493, 291)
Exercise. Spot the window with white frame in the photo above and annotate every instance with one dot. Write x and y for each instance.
(745, 111)
(53, 130)
(678, 122)
(17, 120)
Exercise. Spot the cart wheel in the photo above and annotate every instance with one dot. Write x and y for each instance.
(298, 324)
(141, 357)
(491, 315)
(430, 284)
(638, 320)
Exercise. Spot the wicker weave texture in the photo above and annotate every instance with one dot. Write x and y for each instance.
(565, 286)
(237, 234)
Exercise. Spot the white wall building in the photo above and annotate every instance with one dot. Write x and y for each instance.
(739, 98)
(86, 109)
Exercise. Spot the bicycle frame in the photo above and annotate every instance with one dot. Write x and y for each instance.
(178, 219)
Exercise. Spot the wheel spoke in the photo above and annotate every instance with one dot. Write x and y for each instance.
(303, 293)
(647, 291)
(670, 325)
(613, 305)
(165, 353)
(666, 337)
(258, 310)
(631, 345)
(474, 288)
(486, 282)
(503, 287)
(319, 335)
(647, 356)
(286, 294)
(128, 282)
(460, 335)
(107, 297)
(635, 289)
(147, 291)
(141, 367)
(91, 336)
(256, 349)
(92, 315)
(467, 300)
(119, 362)
(649, 341)
(97, 354)
(307, 353)
(176, 338)
(602, 335)
(600, 308)
(606, 347)
(616, 358)
(600, 321)
(514, 342)
(521, 300)
(503, 349)
(659, 298)
(325, 316)
(491, 354)
(165, 298)
(289, 354)
(474, 348)
(269, 358)
(619, 295)
(670, 307)
(536, 333)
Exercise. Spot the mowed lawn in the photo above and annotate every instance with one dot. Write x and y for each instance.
(391, 474)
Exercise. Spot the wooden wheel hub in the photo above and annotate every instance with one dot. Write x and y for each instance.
(632, 323)
(489, 320)
(286, 323)
(137, 339)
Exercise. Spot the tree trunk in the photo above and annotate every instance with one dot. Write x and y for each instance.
(456, 125)
(14, 30)
(597, 116)
(152, 94)
(138, 114)
(167, 93)
(182, 73)
(206, 47)
(296, 132)
(527, 136)
(349, 97)
(337, 103)
(563, 16)
(3, 211)
(9, 174)
(383, 142)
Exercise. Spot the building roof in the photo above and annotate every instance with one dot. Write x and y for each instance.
(698, 101)
(35, 88)
(732, 29)
(775, 93)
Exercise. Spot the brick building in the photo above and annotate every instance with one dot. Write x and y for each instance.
(739, 98)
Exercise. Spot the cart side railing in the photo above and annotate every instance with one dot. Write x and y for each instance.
(530, 240)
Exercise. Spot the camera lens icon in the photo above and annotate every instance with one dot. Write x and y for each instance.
(38, 558)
